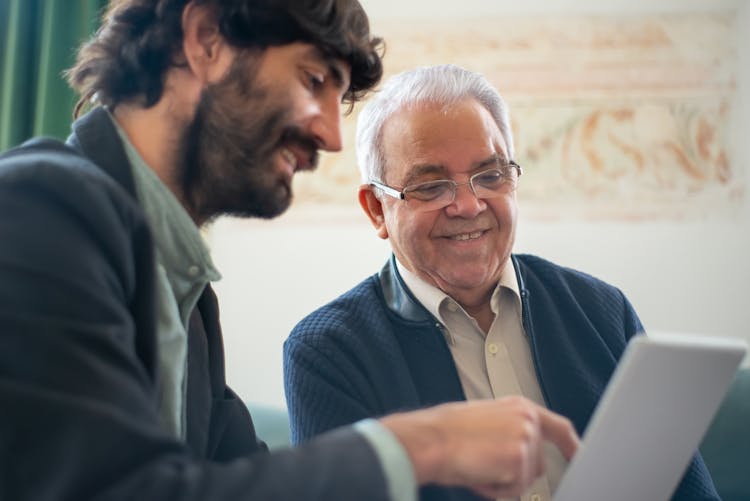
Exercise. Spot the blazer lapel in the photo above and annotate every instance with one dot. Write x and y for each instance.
(96, 137)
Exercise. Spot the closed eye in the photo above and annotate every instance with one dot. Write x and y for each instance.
(428, 191)
(313, 80)
(490, 179)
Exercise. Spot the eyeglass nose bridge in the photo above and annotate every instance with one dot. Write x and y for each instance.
(454, 190)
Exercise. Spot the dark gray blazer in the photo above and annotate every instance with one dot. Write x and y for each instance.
(78, 373)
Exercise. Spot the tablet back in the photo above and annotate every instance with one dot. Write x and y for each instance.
(649, 422)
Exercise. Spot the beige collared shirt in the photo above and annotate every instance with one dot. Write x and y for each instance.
(494, 365)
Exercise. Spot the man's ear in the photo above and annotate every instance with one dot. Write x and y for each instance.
(373, 207)
(206, 52)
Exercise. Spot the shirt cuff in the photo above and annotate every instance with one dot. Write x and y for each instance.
(397, 468)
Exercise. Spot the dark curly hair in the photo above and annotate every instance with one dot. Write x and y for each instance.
(139, 40)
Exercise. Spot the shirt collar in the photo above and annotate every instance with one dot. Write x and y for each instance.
(433, 298)
(180, 246)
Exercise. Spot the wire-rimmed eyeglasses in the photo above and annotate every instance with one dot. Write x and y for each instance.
(433, 195)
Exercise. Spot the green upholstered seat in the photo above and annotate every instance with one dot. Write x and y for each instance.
(271, 424)
(726, 446)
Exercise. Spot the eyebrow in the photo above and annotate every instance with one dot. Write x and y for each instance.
(420, 170)
(424, 169)
(494, 158)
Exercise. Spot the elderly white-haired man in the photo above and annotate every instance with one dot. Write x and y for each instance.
(455, 314)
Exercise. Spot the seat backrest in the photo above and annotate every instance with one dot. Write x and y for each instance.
(271, 424)
(726, 446)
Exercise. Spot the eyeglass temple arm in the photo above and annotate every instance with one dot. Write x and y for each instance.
(388, 190)
(518, 167)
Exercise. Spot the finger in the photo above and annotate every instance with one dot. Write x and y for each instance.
(540, 468)
(559, 431)
(534, 464)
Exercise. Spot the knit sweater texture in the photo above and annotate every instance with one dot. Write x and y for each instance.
(376, 350)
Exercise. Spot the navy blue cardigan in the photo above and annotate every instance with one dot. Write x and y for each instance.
(376, 350)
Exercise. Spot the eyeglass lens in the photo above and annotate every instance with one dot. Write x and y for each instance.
(437, 194)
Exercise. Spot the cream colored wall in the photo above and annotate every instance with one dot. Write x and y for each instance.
(689, 276)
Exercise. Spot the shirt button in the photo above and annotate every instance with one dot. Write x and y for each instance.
(452, 307)
(492, 348)
(535, 497)
(193, 271)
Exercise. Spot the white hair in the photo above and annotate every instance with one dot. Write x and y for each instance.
(442, 85)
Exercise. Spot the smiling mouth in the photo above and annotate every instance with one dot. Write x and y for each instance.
(466, 236)
(299, 159)
(289, 157)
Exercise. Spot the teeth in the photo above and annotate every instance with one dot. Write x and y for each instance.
(467, 236)
(289, 157)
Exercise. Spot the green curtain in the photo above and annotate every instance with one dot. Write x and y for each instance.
(38, 39)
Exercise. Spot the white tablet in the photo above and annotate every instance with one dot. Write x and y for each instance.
(651, 418)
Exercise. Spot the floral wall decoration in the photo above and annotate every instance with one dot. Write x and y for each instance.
(614, 118)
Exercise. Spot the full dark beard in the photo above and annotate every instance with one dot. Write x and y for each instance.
(227, 150)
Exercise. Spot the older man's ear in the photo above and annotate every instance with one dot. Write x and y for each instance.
(373, 207)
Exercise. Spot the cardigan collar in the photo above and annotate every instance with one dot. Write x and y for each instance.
(402, 302)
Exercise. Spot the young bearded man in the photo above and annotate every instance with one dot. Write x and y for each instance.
(112, 380)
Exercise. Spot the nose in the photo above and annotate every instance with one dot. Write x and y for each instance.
(326, 124)
(465, 204)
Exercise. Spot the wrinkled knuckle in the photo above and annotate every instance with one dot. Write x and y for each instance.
(527, 432)
(521, 406)
(517, 400)
(518, 457)
(530, 413)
